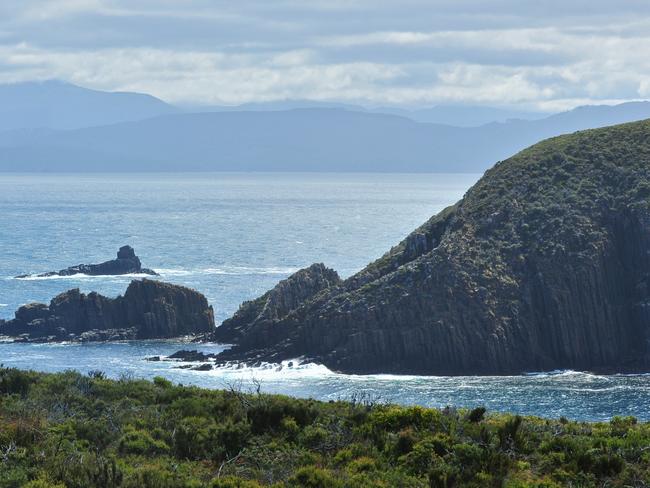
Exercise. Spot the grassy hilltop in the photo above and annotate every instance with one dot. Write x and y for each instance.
(82, 431)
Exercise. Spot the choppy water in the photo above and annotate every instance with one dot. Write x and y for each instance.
(232, 236)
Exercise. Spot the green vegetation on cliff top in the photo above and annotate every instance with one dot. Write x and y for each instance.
(549, 194)
(83, 431)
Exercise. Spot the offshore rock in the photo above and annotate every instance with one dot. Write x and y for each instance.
(148, 310)
(544, 264)
(126, 262)
(190, 356)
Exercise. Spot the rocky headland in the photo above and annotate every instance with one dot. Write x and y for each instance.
(126, 262)
(148, 309)
(544, 264)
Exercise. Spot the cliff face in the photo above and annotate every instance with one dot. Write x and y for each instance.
(126, 262)
(149, 309)
(278, 302)
(544, 264)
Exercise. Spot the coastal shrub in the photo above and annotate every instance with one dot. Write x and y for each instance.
(14, 381)
(509, 432)
(161, 382)
(313, 477)
(621, 425)
(41, 483)
(291, 428)
(442, 475)
(267, 413)
(406, 439)
(77, 431)
(136, 441)
(476, 414)
(313, 436)
(363, 464)
(396, 418)
(196, 438)
(234, 482)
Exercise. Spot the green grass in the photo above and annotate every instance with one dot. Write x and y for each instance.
(73, 430)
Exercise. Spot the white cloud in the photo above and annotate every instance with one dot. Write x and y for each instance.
(369, 52)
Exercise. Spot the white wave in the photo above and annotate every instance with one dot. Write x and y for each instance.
(164, 272)
(244, 270)
(291, 369)
(4, 304)
(555, 372)
(174, 272)
(81, 277)
(568, 373)
(227, 270)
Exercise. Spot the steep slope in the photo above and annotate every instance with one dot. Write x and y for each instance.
(544, 264)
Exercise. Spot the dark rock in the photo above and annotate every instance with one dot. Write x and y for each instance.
(202, 367)
(125, 263)
(148, 310)
(278, 302)
(190, 356)
(544, 264)
(153, 358)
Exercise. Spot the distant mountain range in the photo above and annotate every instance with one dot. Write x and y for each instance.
(53, 126)
(456, 115)
(59, 105)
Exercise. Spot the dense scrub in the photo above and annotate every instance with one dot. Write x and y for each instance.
(81, 431)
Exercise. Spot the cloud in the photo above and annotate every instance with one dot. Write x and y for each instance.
(419, 52)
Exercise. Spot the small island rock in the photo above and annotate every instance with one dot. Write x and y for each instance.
(126, 262)
(148, 310)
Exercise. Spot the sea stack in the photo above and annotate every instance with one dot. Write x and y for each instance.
(148, 310)
(544, 264)
(126, 262)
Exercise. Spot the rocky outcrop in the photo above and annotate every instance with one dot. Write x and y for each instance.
(148, 310)
(126, 263)
(278, 302)
(544, 264)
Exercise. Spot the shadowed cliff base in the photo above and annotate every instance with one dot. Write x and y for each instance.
(544, 264)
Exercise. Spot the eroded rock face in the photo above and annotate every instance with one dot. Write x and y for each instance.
(544, 264)
(148, 310)
(126, 263)
(278, 302)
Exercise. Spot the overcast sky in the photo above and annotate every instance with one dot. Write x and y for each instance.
(535, 54)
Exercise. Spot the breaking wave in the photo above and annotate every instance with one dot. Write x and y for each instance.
(169, 272)
(80, 277)
(228, 270)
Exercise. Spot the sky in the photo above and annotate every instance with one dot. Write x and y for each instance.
(526, 54)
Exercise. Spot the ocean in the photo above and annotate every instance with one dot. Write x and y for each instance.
(232, 237)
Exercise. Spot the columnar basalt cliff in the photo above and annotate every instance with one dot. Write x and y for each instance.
(149, 309)
(276, 303)
(544, 264)
(126, 262)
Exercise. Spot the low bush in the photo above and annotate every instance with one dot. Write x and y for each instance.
(87, 431)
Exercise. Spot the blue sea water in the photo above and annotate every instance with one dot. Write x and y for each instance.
(233, 236)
